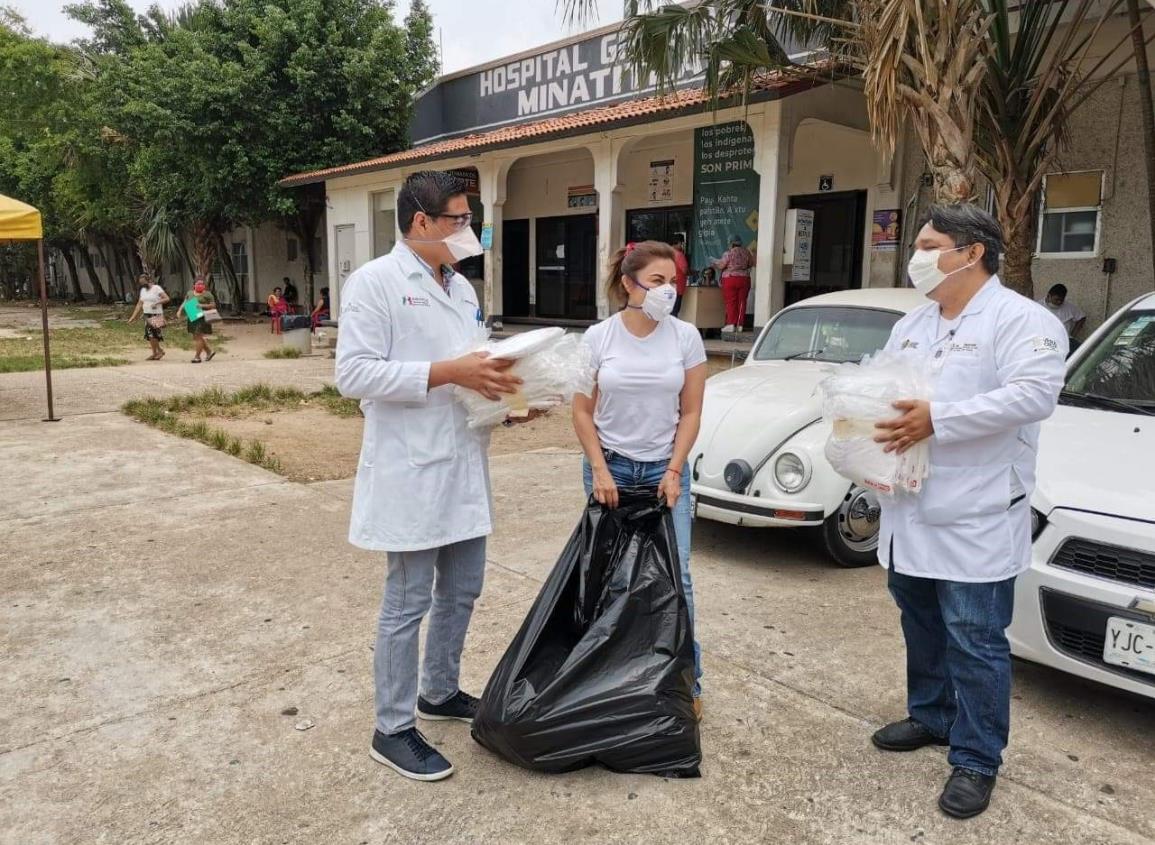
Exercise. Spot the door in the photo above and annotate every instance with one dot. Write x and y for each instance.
(839, 232)
(346, 257)
(659, 224)
(567, 267)
(515, 268)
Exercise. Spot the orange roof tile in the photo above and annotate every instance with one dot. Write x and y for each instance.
(772, 86)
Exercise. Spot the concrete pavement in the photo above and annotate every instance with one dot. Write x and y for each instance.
(171, 614)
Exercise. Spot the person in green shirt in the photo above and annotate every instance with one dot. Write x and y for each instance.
(198, 301)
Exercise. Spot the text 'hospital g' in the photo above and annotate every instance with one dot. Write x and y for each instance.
(573, 75)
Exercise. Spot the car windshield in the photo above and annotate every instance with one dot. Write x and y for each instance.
(826, 333)
(1119, 372)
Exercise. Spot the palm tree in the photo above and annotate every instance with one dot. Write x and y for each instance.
(987, 85)
(1146, 107)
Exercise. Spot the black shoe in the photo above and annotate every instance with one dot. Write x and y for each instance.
(907, 735)
(461, 707)
(409, 754)
(966, 793)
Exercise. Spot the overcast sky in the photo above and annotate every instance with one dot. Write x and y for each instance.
(472, 31)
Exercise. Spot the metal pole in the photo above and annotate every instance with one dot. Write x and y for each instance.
(44, 321)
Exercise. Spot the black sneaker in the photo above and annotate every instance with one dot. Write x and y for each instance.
(907, 735)
(966, 793)
(461, 707)
(409, 754)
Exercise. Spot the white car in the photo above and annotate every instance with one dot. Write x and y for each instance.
(1087, 604)
(759, 460)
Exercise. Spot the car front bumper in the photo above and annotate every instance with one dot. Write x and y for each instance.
(1061, 614)
(754, 511)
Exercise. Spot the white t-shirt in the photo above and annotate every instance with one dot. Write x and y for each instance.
(640, 382)
(1067, 313)
(150, 299)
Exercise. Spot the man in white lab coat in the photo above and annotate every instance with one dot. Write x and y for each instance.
(953, 552)
(407, 323)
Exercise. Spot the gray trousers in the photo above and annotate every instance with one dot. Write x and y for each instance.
(443, 582)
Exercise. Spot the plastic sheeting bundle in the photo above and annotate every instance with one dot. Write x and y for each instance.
(552, 365)
(855, 398)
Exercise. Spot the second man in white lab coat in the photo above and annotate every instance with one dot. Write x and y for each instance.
(953, 552)
(407, 321)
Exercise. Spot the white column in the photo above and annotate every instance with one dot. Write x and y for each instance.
(491, 176)
(770, 162)
(611, 210)
(251, 238)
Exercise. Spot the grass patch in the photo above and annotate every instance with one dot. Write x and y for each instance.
(172, 415)
(284, 352)
(112, 342)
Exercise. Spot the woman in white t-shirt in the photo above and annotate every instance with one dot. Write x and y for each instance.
(151, 302)
(639, 426)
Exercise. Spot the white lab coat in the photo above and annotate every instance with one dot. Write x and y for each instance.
(423, 476)
(997, 377)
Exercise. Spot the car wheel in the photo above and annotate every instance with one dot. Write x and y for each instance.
(850, 534)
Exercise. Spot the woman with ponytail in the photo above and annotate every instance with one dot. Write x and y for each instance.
(641, 422)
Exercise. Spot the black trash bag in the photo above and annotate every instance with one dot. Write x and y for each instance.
(602, 670)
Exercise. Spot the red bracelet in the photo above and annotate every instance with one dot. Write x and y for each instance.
(674, 471)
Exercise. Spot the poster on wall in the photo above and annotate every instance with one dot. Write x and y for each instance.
(725, 190)
(885, 231)
(582, 196)
(661, 182)
(803, 246)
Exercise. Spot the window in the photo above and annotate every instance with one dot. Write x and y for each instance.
(240, 254)
(1069, 224)
(826, 333)
(291, 249)
(1121, 366)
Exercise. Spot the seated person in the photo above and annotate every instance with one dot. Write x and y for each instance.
(321, 310)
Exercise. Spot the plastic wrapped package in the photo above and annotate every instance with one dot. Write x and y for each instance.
(855, 398)
(602, 670)
(552, 365)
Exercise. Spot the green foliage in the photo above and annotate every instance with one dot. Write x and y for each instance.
(283, 352)
(165, 124)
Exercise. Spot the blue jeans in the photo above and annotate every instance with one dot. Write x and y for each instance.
(630, 473)
(958, 663)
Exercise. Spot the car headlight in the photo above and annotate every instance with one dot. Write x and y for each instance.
(1038, 523)
(791, 472)
(738, 475)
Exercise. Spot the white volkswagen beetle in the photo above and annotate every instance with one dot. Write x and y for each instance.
(759, 460)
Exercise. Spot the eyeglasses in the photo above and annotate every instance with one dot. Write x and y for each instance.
(460, 221)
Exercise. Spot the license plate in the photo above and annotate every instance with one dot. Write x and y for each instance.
(1131, 644)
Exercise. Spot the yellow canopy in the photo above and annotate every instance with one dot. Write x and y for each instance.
(19, 221)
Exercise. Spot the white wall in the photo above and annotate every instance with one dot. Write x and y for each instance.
(635, 169)
(539, 186)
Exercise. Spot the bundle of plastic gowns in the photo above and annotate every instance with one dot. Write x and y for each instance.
(602, 670)
(552, 365)
(854, 399)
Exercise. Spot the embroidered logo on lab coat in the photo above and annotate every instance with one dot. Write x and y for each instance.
(964, 349)
(421, 301)
(909, 344)
(1044, 344)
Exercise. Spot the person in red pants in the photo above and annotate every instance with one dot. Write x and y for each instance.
(735, 266)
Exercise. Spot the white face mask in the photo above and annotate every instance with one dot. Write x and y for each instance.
(659, 302)
(924, 272)
(461, 244)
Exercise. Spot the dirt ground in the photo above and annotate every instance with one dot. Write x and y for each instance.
(291, 436)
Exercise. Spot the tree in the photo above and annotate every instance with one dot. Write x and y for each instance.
(1146, 111)
(988, 85)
